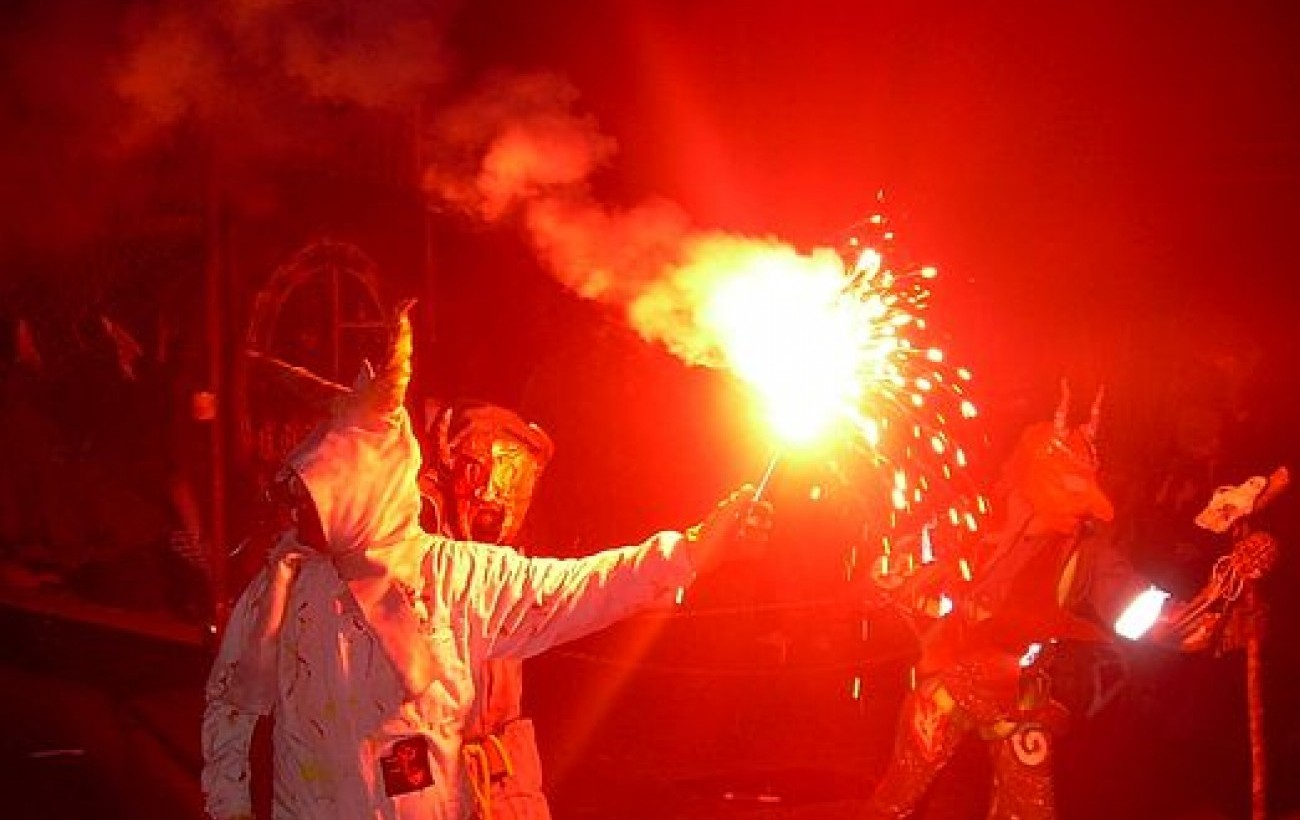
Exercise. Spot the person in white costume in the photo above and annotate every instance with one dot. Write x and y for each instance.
(364, 634)
(482, 463)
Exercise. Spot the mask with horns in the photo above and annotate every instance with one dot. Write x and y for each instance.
(1054, 469)
(484, 462)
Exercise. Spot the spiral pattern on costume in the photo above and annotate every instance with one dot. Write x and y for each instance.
(1031, 745)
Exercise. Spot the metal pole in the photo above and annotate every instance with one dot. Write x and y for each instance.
(1255, 701)
(214, 294)
(767, 475)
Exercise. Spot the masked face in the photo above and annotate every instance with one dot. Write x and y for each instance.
(1057, 475)
(492, 487)
(490, 469)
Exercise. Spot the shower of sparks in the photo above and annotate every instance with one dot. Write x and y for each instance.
(835, 346)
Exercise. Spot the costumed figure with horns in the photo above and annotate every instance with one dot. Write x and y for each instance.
(482, 464)
(364, 635)
(1045, 581)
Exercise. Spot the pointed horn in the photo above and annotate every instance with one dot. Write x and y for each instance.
(1062, 409)
(542, 443)
(444, 436)
(387, 391)
(1094, 418)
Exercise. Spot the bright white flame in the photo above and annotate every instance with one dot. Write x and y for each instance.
(788, 329)
(1141, 613)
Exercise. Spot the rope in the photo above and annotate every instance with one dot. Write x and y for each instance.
(479, 773)
(478, 765)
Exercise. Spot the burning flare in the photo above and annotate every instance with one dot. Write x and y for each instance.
(834, 345)
(832, 342)
(786, 327)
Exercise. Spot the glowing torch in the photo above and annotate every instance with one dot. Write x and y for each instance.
(832, 340)
(788, 328)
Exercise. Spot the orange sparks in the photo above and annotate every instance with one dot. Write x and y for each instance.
(835, 347)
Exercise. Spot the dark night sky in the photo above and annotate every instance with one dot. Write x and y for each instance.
(1110, 190)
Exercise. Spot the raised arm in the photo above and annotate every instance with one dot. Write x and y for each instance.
(518, 607)
(522, 606)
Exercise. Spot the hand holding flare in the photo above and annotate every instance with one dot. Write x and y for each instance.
(836, 349)
(740, 523)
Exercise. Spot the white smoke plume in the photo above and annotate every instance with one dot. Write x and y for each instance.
(258, 83)
(515, 139)
(518, 149)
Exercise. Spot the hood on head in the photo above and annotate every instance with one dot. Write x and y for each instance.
(362, 481)
(361, 465)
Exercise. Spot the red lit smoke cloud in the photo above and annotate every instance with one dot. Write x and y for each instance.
(247, 67)
(121, 107)
(115, 107)
(517, 149)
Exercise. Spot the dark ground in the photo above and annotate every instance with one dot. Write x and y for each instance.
(102, 721)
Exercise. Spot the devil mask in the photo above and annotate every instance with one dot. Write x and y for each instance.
(1054, 469)
(484, 463)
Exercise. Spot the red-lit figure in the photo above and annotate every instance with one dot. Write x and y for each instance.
(365, 636)
(482, 463)
(1048, 577)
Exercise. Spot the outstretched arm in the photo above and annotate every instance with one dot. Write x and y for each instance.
(519, 607)
(523, 606)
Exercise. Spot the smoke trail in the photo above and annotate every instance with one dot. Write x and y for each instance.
(113, 108)
(515, 139)
(244, 68)
(517, 149)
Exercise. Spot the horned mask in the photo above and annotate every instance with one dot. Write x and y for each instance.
(1054, 468)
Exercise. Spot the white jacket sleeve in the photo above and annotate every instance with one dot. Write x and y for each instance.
(227, 737)
(519, 607)
(229, 717)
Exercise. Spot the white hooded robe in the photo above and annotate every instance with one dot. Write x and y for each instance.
(378, 639)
